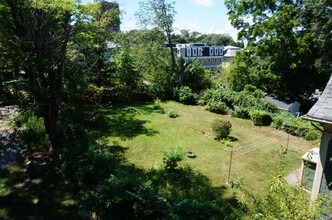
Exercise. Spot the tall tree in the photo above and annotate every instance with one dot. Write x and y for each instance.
(35, 34)
(160, 14)
(280, 49)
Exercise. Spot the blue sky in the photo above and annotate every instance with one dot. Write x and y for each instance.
(205, 16)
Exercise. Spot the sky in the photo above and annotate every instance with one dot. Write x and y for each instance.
(204, 16)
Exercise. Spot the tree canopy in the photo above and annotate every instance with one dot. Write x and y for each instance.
(283, 56)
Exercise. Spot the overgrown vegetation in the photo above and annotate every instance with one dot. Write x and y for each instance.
(221, 128)
(77, 161)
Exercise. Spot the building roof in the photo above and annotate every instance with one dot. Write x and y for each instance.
(230, 51)
(232, 47)
(282, 104)
(322, 109)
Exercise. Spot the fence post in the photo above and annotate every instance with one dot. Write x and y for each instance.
(230, 168)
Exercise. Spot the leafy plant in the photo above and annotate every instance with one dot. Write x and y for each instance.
(31, 129)
(160, 105)
(172, 157)
(171, 113)
(217, 107)
(260, 118)
(186, 96)
(281, 202)
(240, 112)
(221, 128)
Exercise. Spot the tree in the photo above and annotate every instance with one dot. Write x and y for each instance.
(280, 53)
(282, 201)
(159, 13)
(35, 35)
(218, 39)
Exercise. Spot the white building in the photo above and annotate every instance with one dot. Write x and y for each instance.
(211, 56)
(230, 53)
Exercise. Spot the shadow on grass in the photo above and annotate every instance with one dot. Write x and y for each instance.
(35, 189)
(86, 180)
(121, 121)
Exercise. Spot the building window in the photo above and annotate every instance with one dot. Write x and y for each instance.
(194, 52)
(216, 51)
(200, 52)
(188, 52)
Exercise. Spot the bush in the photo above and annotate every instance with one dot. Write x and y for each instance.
(171, 113)
(240, 113)
(186, 96)
(217, 107)
(295, 126)
(221, 128)
(172, 157)
(260, 118)
(160, 106)
(206, 97)
(32, 129)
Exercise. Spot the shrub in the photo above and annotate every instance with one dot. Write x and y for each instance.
(171, 113)
(312, 135)
(206, 97)
(295, 126)
(240, 112)
(160, 106)
(260, 118)
(172, 157)
(32, 129)
(221, 128)
(186, 96)
(217, 107)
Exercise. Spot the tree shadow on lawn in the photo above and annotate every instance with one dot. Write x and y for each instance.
(35, 189)
(121, 122)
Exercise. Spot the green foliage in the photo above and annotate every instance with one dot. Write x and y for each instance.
(126, 78)
(221, 128)
(185, 95)
(217, 107)
(238, 103)
(196, 77)
(160, 105)
(281, 201)
(31, 129)
(280, 57)
(185, 194)
(240, 112)
(260, 118)
(172, 157)
(171, 113)
(295, 126)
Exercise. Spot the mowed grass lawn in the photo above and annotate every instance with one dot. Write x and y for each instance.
(145, 134)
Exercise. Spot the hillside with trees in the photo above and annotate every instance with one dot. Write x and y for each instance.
(84, 94)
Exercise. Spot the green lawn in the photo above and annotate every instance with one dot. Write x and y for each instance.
(146, 134)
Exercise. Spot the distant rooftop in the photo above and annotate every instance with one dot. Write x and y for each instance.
(230, 51)
(280, 103)
(232, 47)
(322, 110)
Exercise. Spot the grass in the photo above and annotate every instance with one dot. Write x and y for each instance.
(146, 134)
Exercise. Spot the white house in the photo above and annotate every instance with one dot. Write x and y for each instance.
(211, 56)
(230, 53)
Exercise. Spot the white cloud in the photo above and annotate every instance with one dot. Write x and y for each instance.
(203, 2)
(187, 25)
